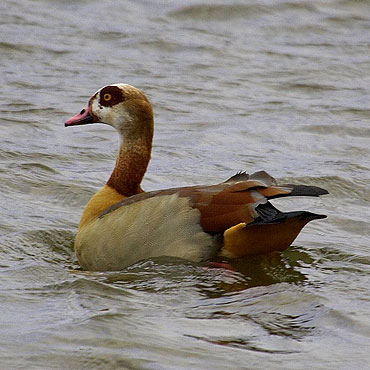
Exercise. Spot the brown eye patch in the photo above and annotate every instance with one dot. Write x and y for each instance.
(111, 95)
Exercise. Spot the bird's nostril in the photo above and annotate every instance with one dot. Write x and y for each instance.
(83, 111)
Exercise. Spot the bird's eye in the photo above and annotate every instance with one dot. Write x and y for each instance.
(107, 97)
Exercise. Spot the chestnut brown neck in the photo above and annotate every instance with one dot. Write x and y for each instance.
(130, 169)
(133, 156)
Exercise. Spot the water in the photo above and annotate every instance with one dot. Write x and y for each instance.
(277, 85)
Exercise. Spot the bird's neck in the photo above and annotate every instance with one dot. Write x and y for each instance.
(131, 165)
(125, 180)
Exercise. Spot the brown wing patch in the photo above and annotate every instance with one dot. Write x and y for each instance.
(207, 196)
(222, 206)
(216, 222)
(246, 185)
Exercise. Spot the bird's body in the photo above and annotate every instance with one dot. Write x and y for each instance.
(122, 224)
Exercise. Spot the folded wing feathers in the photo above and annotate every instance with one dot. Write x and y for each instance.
(239, 176)
(231, 202)
(264, 177)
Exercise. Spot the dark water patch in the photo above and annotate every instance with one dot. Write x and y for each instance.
(39, 181)
(59, 241)
(309, 87)
(37, 167)
(24, 107)
(340, 260)
(216, 12)
(347, 19)
(296, 327)
(90, 285)
(337, 130)
(28, 85)
(274, 318)
(356, 115)
(31, 49)
(112, 35)
(168, 46)
(243, 344)
(11, 47)
(50, 247)
(227, 12)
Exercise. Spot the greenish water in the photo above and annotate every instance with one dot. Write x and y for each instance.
(282, 86)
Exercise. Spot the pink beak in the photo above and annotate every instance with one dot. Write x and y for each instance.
(82, 118)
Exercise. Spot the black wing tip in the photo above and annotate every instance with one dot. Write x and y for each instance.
(312, 216)
(319, 191)
(304, 215)
(324, 191)
(305, 190)
(268, 214)
(317, 216)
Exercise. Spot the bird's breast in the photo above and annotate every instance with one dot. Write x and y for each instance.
(166, 225)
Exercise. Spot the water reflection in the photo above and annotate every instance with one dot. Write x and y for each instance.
(164, 274)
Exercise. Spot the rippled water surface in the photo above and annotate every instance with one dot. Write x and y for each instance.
(277, 85)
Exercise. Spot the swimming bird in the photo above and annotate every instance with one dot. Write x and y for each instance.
(122, 224)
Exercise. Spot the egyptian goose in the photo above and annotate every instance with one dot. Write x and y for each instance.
(122, 224)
